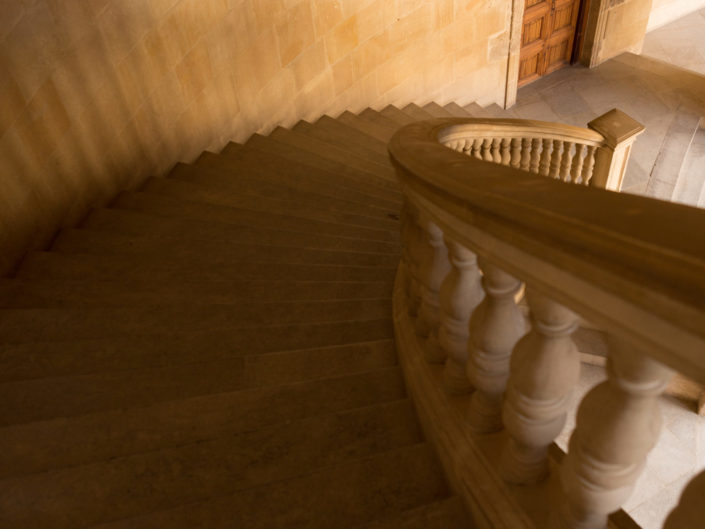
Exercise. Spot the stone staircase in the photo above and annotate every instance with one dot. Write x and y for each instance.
(216, 349)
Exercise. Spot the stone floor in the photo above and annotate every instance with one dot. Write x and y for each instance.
(681, 42)
(577, 95)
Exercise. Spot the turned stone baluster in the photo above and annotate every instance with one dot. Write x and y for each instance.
(516, 154)
(545, 367)
(505, 152)
(525, 163)
(567, 157)
(434, 269)
(618, 423)
(495, 327)
(535, 155)
(477, 148)
(689, 513)
(544, 164)
(486, 149)
(577, 162)
(588, 165)
(461, 293)
(496, 150)
(556, 153)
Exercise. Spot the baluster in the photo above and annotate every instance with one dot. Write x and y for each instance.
(545, 367)
(495, 327)
(505, 151)
(544, 163)
(486, 146)
(588, 165)
(565, 161)
(535, 155)
(515, 158)
(467, 146)
(497, 150)
(434, 269)
(577, 162)
(477, 148)
(555, 164)
(618, 423)
(461, 293)
(689, 512)
(526, 154)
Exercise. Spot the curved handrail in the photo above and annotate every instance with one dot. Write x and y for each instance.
(461, 128)
(631, 264)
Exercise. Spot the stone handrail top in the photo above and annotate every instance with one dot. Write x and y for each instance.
(450, 129)
(634, 265)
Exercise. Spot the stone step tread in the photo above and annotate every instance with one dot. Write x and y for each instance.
(142, 483)
(210, 180)
(348, 138)
(416, 112)
(357, 178)
(334, 151)
(346, 495)
(70, 441)
(460, 112)
(357, 136)
(209, 251)
(250, 166)
(39, 292)
(186, 209)
(447, 513)
(437, 111)
(690, 186)
(376, 117)
(368, 338)
(133, 223)
(90, 267)
(672, 153)
(393, 113)
(71, 323)
(328, 210)
(375, 130)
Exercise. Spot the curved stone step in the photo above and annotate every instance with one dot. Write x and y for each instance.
(68, 441)
(448, 513)
(107, 267)
(289, 173)
(328, 210)
(18, 293)
(134, 223)
(328, 342)
(342, 496)
(66, 324)
(334, 151)
(186, 209)
(138, 484)
(209, 251)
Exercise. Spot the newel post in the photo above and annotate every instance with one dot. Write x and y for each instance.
(619, 131)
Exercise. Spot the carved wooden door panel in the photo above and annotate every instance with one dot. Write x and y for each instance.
(547, 36)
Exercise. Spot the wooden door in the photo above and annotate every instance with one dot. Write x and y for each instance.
(548, 32)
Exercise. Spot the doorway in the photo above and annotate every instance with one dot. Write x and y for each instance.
(548, 36)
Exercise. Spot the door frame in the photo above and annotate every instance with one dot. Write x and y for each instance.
(515, 29)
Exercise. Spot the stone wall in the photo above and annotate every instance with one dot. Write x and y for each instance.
(97, 95)
(665, 11)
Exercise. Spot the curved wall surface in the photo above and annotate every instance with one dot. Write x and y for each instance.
(96, 95)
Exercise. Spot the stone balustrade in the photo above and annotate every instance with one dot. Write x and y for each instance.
(479, 230)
